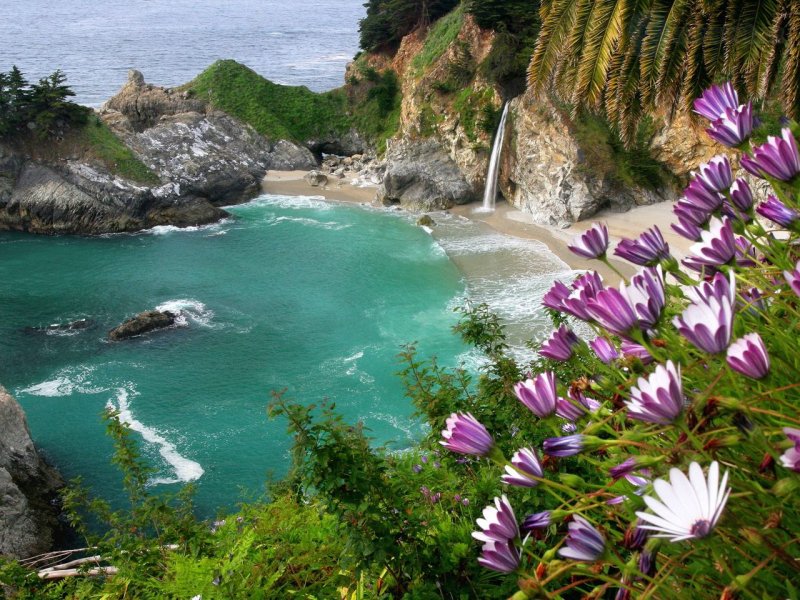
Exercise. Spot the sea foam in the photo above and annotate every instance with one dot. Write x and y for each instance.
(185, 469)
(187, 310)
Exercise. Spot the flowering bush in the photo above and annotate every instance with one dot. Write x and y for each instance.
(683, 429)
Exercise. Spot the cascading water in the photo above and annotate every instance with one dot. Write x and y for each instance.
(490, 192)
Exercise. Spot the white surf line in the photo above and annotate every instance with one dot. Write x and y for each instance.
(185, 469)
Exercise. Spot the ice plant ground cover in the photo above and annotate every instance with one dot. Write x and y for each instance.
(681, 477)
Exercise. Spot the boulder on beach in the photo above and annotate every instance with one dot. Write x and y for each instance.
(142, 323)
(426, 221)
(316, 179)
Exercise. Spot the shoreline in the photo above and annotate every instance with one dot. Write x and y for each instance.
(508, 220)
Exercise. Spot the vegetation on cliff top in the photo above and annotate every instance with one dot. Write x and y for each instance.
(276, 111)
(41, 120)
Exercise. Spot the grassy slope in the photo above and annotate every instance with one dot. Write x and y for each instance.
(440, 36)
(276, 111)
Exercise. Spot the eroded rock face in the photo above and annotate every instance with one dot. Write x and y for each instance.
(77, 198)
(28, 487)
(420, 176)
(142, 323)
(316, 178)
(546, 173)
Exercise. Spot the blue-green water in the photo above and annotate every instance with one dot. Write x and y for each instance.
(289, 293)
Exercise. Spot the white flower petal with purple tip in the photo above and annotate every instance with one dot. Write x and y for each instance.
(538, 394)
(702, 198)
(526, 467)
(716, 174)
(741, 195)
(734, 126)
(717, 246)
(612, 309)
(749, 356)
(604, 350)
(646, 250)
(777, 212)
(646, 293)
(793, 278)
(592, 243)
(466, 435)
(583, 541)
(708, 321)
(659, 398)
(791, 458)
(777, 158)
(502, 557)
(687, 507)
(498, 522)
(715, 100)
(559, 345)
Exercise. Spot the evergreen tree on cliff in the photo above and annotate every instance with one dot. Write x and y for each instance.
(387, 21)
(633, 56)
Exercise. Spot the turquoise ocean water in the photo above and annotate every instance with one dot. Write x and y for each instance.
(290, 293)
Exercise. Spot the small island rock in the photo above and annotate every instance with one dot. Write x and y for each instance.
(142, 323)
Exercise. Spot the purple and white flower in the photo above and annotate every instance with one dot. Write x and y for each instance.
(632, 349)
(556, 295)
(526, 467)
(749, 356)
(538, 394)
(540, 520)
(791, 458)
(612, 309)
(717, 246)
(777, 212)
(715, 100)
(708, 321)
(702, 198)
(741, 195)
(627, 466)
(592, 243)
(604, 350)
(646, 293)
(584, 288)
(646, 250)
(568, 410)
(590, 404)
(793, 278)
(583, 541)
(689, 212)
(778, 158)
(686, 228)
(716, 174)
(686, 508)
(466, 435)
(498, 523)
(559, 345)
(734, 126)
(499, 556)
(659, 398)
(569, 445)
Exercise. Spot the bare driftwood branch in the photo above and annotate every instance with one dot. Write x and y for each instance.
(65, 573)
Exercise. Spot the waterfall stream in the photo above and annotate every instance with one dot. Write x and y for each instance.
(490, 192)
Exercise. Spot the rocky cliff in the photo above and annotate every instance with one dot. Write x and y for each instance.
(28, 487)
(199, 159)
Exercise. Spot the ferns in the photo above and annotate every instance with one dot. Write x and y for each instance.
(635, 56)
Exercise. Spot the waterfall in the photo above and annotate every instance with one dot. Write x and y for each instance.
(490, 192)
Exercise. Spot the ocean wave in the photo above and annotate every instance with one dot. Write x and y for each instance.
(290, 202)
(167, 229)
(187, 310)
(65, 382)
(329, 225)
(184, 468)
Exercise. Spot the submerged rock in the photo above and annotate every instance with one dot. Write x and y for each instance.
(28, 487)
(142, 323)
(420, 176)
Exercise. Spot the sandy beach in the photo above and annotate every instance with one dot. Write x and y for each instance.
(507, 220)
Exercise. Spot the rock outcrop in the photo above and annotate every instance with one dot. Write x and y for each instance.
(420, 176)
(28, 487)
(142, 323)
(316, 178)
(204, 151)
(75, 197)
(547, 174)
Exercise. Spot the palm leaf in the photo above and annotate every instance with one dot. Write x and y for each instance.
(552, 35)
(790, 82)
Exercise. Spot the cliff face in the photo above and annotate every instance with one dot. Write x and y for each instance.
(28, 486)
(200, 159)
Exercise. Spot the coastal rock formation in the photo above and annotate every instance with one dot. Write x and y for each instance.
(422, 177)
(75, 197)
(315, 178)
(142, 323)
(28, 487)
(547, 174)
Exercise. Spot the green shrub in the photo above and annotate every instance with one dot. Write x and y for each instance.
(440, 36)
(102, 144)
